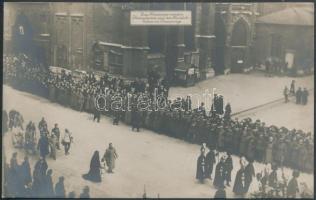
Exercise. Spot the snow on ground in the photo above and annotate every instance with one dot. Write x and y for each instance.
(243, 91)
(289, 115)
(165, 165)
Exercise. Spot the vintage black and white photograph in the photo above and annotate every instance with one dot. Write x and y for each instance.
(158, 99)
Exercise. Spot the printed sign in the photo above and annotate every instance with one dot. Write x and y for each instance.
(160, 18)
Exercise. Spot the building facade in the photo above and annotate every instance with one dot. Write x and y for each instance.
(99, 37)
(235, 30)
(286, 35)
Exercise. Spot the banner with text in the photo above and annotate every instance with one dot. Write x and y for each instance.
(161, 18)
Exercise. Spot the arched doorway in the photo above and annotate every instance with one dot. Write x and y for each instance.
(239, 44)
(220, 45)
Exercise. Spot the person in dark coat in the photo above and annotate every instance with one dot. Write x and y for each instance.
(228, 111)
(273, 177)
(240, 182)
(85, 193)
(304, 96)
(109, 157)
(43, 146)
(136, 119)
(39, 174)
(56, 132)
(201, 168)
(299, 96)
(220, 105)
(219, 173)
(42, 124)
(210, 161)
(60, 188)
(292, 187)
(4, 121)
(13, 185)
(96, 115)
(228, 167)
(94, 173)
(220, 193)
(25, 171)
(286, 94)
(48, 185)
(292, 88)
(249, 174)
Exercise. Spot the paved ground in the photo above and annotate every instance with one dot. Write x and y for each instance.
(165, 165)
(243, 90)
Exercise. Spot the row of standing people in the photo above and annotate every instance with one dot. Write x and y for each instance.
(301, 95)
(20, 182)
(254, 140)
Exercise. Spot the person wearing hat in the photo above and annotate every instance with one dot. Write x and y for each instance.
(240, 182)
(228, 167)
(249, 173)
(292, 187)
(201, 167)
(219, 173)
(60, 188)
(43, 145)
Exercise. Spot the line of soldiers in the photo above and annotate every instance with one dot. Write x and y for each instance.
(252, 139)
(20, 182)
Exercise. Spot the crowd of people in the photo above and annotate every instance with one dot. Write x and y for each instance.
(301, 95)
(20, 182)
(48, 142)
(252, 139)
(268, 184)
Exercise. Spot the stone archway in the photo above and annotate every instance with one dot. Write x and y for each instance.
(220, 45)
(239, 45)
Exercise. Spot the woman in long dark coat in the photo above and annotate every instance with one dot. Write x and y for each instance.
(201, 170)
(94, 173)
(219, 173)
(25, 171)
(240, 182)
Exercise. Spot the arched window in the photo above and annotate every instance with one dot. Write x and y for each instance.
(239, 33)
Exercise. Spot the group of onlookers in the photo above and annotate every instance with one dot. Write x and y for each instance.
(301, 95)
(20, 182)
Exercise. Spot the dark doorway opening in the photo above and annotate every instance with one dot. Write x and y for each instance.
(220, 45)
(239, 46)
